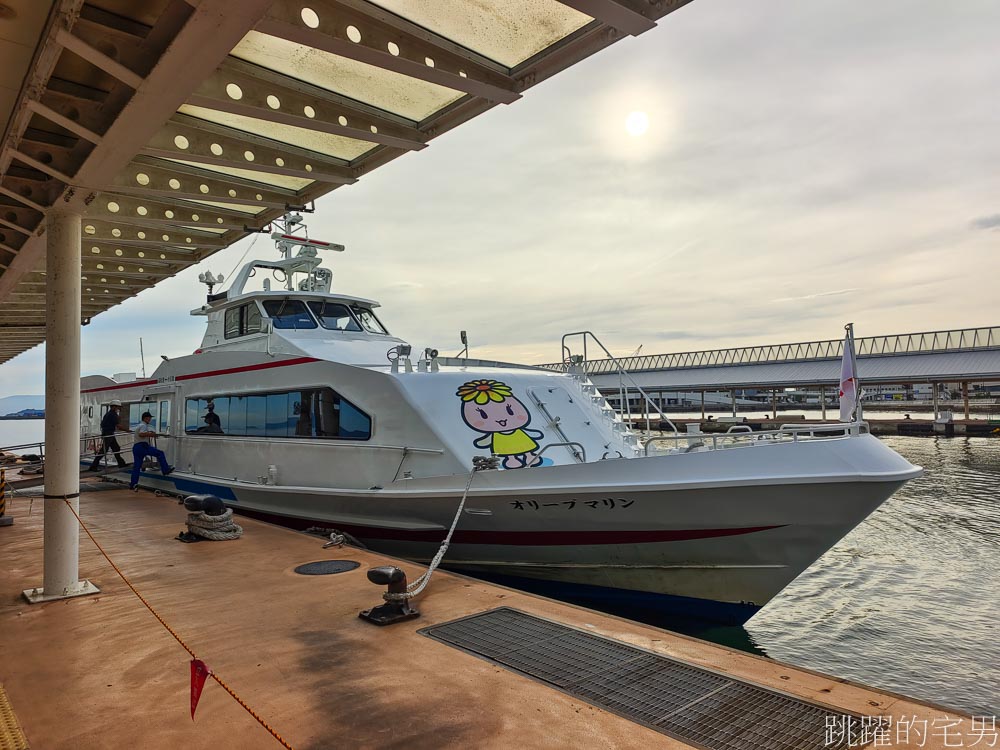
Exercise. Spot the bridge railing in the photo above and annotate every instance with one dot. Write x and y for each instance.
(928, 342)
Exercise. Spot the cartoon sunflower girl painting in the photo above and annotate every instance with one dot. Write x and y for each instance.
(491, 408)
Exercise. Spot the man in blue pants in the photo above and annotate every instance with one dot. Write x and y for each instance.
(143, 447)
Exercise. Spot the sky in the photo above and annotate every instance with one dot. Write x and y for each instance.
(805, 165)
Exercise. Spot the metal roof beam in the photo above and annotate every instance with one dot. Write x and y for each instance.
(157, 177)
(628, 16)
(25, 199)
(111, 252)
(208, 143)
(97, 230)
(98, 59)
(389, 42)
(62, 121)
(273, 97)
(121, 264)
(41, 167)
(133, 210)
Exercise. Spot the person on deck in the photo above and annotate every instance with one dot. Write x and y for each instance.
(109, 426)
(143, 447)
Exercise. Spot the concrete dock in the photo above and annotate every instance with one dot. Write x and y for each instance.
(101, 672)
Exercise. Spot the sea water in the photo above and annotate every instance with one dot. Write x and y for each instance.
(910, 600)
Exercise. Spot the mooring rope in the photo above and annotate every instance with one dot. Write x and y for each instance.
(479, 463)
(173, 632)
(217, 528)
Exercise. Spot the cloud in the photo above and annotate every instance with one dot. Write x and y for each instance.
(986, 222)
(817, 295)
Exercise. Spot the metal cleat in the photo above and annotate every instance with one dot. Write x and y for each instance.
(397, 606)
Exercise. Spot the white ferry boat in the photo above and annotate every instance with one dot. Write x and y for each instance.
(300, 404)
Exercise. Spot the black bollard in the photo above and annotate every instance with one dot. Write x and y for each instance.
(394, 610)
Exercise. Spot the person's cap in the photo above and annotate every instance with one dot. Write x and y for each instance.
(146, 414)
(116, 402)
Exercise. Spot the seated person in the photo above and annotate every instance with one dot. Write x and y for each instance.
(213, 425)
(143, 447)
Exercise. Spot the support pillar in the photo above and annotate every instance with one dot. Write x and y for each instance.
(965, 399)
(732, 395)
(822, 400)
(703, 406)
(774, 404)
(62, 411)
(934, 390)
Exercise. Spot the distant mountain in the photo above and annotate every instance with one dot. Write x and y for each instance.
(11, 404)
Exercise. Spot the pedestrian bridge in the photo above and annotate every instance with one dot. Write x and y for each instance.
(956, 356)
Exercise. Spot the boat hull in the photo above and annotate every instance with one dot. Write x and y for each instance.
(717, 552)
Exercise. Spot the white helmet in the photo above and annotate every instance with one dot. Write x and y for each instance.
(116, 402)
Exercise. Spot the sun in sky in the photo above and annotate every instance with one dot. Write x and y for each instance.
(637, 123)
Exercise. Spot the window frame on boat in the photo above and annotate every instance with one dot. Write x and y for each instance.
(353, 325)
(196, 409)
(378, 329)
(278, 321)
(239, 320)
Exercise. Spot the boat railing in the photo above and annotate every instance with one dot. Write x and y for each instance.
(579, 452)
(625, 380)
(742, 436)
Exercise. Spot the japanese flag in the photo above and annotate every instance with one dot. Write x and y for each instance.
(848, 383)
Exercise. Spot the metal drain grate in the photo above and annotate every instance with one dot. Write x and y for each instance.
(692, 704)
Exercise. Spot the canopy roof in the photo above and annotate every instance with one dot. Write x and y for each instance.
(177, 127)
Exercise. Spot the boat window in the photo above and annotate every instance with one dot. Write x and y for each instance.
(232, 323)
(288, 314)
(164, 420)
(305, 413)
(368, 320)
(256, 413)
(242, 320)
(334, 316)
(251, 318)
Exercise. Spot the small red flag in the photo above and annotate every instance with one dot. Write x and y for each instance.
(199, 673)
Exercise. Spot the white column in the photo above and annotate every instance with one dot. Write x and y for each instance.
(822, 401)
(62, 410)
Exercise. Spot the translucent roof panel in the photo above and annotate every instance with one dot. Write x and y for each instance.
(509, 31)
(242, 208)
(211, 230)
(337, 146)
(265, 178)
(385, 89)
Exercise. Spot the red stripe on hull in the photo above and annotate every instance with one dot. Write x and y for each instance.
(209, 373)
(512, 538)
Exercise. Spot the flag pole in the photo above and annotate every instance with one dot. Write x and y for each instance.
(858, 409)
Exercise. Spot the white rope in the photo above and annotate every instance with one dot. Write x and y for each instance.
(421, 583)
(217, 528)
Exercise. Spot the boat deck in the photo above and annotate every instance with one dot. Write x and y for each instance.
(101, 672)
